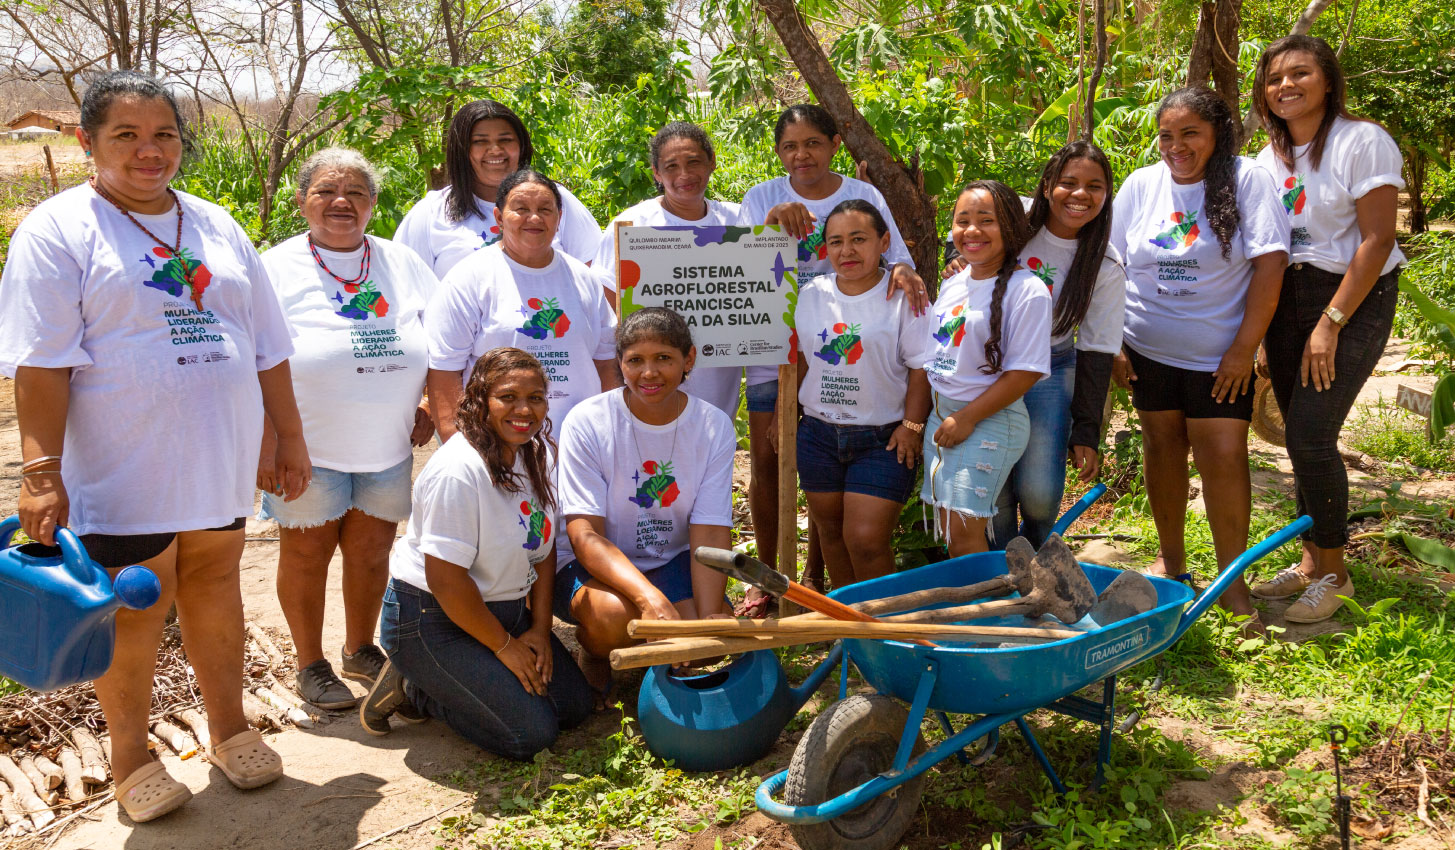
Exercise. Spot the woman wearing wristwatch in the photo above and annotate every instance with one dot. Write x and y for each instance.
(1339, 176)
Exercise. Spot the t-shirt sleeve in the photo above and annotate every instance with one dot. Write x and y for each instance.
(714, 502)
(447, 515)
(452, 319)
(898, 251)
(605, 262)
(419, 276)
(581, 467)
(605, 317)
(1375, 162)
(754, 208)
(1123, 207)
(272, 335)
(580, 234)
(1264, 225)
(413, 231)
(40, 301)
(1101, 329)
(915, 343)
(1026, 333)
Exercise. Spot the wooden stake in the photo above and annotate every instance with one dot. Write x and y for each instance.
(259, 715)
(788, 478)
(50, 165)
(93, 759)
(197, 722)
(24, 791)
(295, 715)
(816, 630)
(265, 643)
(180, 742)
(42, 783)
(72, 771)
(10, 811)
(54, 776)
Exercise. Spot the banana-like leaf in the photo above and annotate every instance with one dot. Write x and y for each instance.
(1429, 551)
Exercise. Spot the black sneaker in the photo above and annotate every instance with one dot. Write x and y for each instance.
(318, 685)
(385, 699)
(364, 665)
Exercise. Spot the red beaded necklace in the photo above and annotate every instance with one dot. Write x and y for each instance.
(174, 249)
(363, 266)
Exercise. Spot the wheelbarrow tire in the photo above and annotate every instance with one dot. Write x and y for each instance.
(849, 744)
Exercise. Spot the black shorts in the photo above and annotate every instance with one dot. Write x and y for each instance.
(1162, 387)
(114, 551)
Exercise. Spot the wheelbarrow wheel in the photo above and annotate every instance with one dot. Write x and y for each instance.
(849, 744)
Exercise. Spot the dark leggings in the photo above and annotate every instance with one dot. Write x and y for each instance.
(1312, 419)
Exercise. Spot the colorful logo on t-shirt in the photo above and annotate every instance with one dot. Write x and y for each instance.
(489, 236)
(548, 320)
(1295, 197)
(535, 522)
(179, 271)
(813, 247)
(847, 345)
(366, 303)
(659, 488)
(1042, 270)
(952, 331)
(1183, 231)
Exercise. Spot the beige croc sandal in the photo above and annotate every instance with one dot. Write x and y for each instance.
(150, 792)
(246, 761)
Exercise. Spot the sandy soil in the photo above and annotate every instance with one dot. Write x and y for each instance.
(344, 787)
(20, 158)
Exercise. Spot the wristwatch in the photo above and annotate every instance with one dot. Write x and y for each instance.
(917, 427)
(1336, 315)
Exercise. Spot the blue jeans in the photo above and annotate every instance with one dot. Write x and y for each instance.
(1038, 479)
(450, 675)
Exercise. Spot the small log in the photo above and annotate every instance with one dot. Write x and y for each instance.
(93, 758)
(180, 742)
(74, 774)
(296, 716)
(24, 792)
(14, 818)
(197, 722)
(259, 715)
(285, 692)
(265, 643)
(42, 783)
(53, 773)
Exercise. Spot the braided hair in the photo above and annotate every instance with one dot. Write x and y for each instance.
(1091, 239)
(1015, 232)
(473, 419)
(1220, 177)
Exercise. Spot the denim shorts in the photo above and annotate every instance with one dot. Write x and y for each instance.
(763, 398)
(851, 459)
(673, 578)
(966, 478)
(383, 495)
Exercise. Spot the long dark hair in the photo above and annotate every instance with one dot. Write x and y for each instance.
(1091, 239)
(1220, 179)
(1334, 101)
(1015, 232)
(473, 419)
(462, 202)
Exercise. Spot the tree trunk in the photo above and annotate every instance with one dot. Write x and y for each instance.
(1417, 165)
(901, 184)
(1100, 24)
(1215, 49)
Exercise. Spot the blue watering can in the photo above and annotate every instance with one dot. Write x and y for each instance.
(725, 718)
(58, 612)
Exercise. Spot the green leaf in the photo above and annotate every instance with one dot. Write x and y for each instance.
(1433, 553)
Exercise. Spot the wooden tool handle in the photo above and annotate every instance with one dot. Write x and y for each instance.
(994, 608)
(691, 649)
(837, 629)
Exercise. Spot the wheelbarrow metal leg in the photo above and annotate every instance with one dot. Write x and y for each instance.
(844, 675)
(1040, 755)
(917, 709)
(1108, 720)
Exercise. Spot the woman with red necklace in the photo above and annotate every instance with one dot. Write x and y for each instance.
(355, 306)
(146, 348)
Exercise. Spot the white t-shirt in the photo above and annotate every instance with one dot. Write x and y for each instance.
(443, 243)
(557, 313)
(717, 384)
(813, 252)
(648, 482)
(1358, 156)
(1184, 301)
(461, 516)
(858, 350)
(165, 415)
(960, 323)
(360, 353)
(1049, 258)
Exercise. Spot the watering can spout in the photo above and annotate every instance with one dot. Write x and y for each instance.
(137, 588)
(801, 693)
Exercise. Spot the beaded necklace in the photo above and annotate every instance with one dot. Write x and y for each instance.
(175, 250)
(363, 266)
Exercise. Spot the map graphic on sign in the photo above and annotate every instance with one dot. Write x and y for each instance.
(735, 286)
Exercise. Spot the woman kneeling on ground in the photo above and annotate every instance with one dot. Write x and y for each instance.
(862, 385)
(467, 617)
(646, 478)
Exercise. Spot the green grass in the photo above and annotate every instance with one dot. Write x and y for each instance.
(1396, 436)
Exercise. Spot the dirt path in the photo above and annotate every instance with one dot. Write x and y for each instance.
(344, 787)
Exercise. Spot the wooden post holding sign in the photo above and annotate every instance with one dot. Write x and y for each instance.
(1417, 402)
(737, 288)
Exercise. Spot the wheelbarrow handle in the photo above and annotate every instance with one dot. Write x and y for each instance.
(1253, 554)
(1074, 512)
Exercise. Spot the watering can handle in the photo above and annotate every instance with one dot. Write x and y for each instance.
(8, 527)
(71, 548)
(1251, 556)
(1075, 511)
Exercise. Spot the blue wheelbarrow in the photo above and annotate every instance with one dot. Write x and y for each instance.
(856, 778)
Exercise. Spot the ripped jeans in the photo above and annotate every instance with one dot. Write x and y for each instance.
(966, 478)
